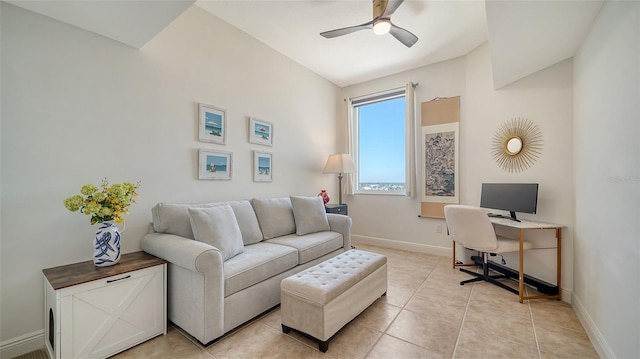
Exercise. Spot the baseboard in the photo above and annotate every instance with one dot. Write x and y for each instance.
(567, 295)
(405, 246)
(21, 345)
(598, 341)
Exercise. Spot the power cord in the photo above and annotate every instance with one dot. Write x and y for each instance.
(504, 262)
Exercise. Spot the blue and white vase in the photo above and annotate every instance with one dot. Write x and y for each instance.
(106, 246)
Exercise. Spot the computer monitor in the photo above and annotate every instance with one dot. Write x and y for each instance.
(512, 197)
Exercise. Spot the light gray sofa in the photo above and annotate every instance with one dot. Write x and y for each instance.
(226, 260)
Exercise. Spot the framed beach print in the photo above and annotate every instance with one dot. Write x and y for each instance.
(260, 132)
(212, 124)
(262, 166)
(216, 165)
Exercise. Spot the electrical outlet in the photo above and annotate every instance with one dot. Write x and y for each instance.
(438, 228)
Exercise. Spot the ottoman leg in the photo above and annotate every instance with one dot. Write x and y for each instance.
(285, 329)
(323, 346)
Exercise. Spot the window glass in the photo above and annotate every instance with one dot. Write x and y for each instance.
(380, 131)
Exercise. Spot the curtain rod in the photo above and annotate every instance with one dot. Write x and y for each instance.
(382, 92)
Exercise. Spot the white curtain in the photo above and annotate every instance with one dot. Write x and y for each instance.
(410, 141)
(349, 183)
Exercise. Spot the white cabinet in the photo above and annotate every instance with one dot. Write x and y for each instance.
(96, 312)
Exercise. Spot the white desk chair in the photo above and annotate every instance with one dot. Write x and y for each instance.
(470, 226)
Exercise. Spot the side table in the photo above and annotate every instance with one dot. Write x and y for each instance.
(100, 311)
(337, 208)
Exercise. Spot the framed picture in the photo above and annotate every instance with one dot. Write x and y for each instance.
(440, 147)
(262, 166)
(212, 124)
(260, 132)
(215, 165)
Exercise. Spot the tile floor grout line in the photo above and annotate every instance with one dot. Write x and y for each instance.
(374, 344)
(442, 266)
(535, 332)
(384, 332)
(464, 316)
(400, 311)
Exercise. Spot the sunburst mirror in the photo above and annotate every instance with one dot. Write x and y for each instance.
(517, 144)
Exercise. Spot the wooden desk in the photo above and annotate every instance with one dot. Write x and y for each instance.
(522, 227)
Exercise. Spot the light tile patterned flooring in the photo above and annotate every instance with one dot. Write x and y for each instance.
(426, 314)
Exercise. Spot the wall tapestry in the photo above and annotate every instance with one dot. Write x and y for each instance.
(440, 150)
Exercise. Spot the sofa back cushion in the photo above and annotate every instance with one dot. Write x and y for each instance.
(247, 221)
(217, 226)
(275, 216)
(309, 214)
(173, 218)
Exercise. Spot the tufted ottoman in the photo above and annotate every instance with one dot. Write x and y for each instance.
(322, 299)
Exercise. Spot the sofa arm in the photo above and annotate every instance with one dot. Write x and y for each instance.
(195, 283)
(185, 252)
(341, 224)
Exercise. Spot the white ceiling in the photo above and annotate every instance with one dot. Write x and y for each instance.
(132, 22)
(525, 36)
(446, 29)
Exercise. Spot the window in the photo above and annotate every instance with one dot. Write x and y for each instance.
(379, 145)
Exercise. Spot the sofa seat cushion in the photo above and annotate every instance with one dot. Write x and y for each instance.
(258, 262)
(311, 246)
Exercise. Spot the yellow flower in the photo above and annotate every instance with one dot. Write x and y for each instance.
(73, 203)
(103, 205)
(93, 207)
(88, 189)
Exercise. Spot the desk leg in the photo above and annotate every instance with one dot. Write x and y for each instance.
(559, 264)
(454, 254)
(521, 267)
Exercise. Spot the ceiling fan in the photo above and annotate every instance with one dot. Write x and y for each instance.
(381, 24)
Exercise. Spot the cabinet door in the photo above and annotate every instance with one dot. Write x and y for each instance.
(104, 317)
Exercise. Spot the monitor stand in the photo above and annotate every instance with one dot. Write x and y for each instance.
(512, 217)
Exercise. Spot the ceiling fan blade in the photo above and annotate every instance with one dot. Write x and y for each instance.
(347, 30)
(392, 6)
(404, 36)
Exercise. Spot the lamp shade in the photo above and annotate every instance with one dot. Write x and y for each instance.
(339, 163)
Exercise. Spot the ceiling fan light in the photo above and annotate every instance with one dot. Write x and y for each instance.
(382, 27)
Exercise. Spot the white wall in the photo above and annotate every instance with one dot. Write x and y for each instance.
(390, 220)
(77, 107)
(544, 97)
(607, 180)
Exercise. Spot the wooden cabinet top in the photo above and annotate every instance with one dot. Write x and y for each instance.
(78, 273)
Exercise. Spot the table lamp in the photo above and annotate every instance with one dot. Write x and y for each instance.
(339, 163)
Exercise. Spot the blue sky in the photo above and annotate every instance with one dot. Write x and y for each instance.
(264, 161)
(381, 141)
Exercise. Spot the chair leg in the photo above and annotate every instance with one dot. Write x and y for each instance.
(478, 276)
(478, 279)
(484, 276)
(470, 272)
